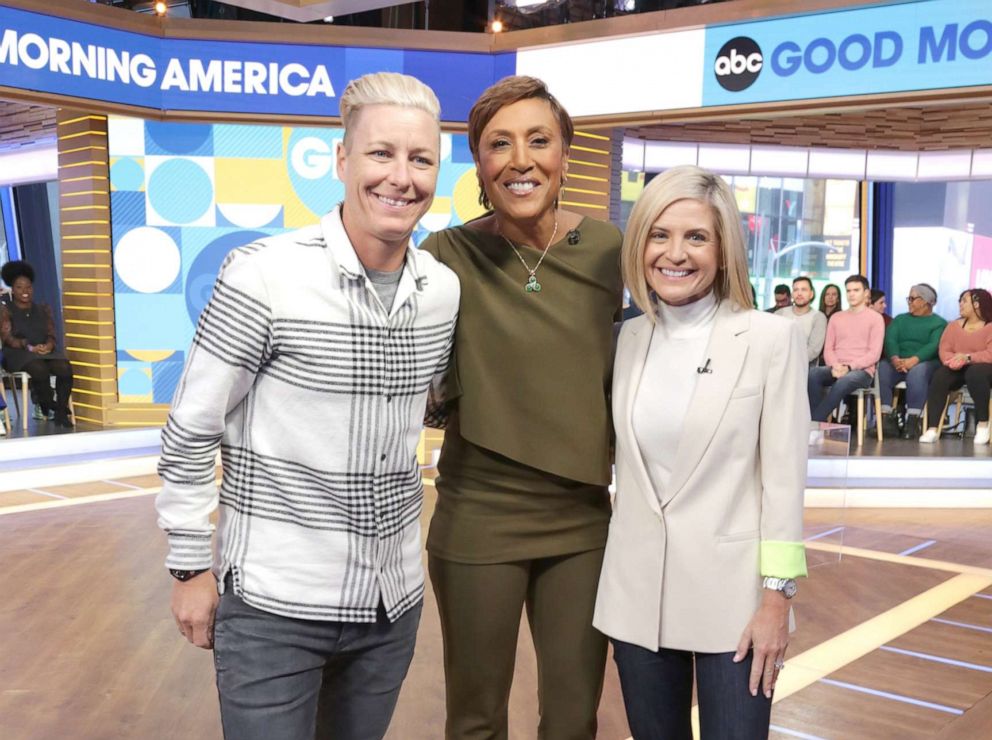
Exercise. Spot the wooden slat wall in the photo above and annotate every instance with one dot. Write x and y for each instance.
(903, 129)
(25, 125)
(590, 164)
(87, 274)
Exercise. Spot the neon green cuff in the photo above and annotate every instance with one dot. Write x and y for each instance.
(783, 559)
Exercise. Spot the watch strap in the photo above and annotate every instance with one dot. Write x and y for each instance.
(185, 575)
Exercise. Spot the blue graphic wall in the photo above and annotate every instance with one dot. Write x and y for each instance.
(183, 195)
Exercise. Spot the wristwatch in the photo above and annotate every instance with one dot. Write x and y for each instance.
(185, 575)
(785, 586)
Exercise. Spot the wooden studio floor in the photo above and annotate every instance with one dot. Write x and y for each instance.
(894, 640)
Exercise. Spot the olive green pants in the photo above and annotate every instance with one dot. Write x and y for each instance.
(480, 608)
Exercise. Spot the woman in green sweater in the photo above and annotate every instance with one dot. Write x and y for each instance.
(910, 354)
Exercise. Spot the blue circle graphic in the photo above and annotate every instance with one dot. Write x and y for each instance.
(179, 138)
(203, 272)
(133, 382)
(127, 174)
(180, 191)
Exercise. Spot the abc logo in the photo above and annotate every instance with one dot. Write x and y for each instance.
(738, 64)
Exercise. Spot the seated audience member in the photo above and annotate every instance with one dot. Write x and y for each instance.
(879, 303)
(27, 333)
(852, 349)
(783, 298)
(910, 352)
(966, 359)
(812, 322)
(830, 300)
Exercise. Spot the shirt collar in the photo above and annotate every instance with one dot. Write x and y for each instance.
(344, 255)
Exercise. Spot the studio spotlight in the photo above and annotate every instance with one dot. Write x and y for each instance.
(497, 26)
(160, 7)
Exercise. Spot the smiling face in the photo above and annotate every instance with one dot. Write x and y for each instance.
(682, 254)
(522, 160)
(389, 169)
(23, 291)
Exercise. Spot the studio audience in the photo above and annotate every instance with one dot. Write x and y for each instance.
(851, 351)
(910, 353)
(966, 359)
(27, 333)
(812, 322)
(880, 303)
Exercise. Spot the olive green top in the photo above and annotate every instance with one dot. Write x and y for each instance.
(531, 371)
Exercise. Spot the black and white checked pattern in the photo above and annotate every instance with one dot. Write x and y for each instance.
(314, 396)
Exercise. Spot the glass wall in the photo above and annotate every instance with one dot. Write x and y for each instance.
(942, 236)
(792, 227)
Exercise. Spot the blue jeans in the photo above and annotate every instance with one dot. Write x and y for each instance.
(822, 377)
(657, 693)
(917, 383)
(297, 679)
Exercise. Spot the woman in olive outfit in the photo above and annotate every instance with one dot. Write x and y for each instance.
(523, 510)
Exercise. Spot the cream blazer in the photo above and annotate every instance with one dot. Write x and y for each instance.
(682, 568)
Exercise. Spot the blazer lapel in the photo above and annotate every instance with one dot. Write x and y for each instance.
(725, 353)
(635, 352)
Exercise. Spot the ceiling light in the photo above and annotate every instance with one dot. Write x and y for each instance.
(161, 8)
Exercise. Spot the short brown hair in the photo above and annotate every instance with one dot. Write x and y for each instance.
(506, 92)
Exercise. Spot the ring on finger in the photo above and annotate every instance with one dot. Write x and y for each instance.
(779, 664)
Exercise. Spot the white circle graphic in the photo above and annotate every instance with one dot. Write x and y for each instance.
(147, 260)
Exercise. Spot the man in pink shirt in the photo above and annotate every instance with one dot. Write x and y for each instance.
(851, 351)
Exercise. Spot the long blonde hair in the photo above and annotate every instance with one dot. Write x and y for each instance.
(688, 182)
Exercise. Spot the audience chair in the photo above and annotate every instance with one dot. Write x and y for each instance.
(872, 392)
(24, 404)
(960, 398)
(6, 420)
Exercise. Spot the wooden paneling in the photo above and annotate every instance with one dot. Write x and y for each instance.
(87, 275)
(590, 167)
(906, 129)
(24, 125)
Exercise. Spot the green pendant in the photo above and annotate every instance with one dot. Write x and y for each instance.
(532, 285)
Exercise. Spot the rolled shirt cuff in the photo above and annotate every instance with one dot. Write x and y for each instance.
(783, 559)
(190, 551)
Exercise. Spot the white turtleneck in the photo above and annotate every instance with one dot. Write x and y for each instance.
(678, 346)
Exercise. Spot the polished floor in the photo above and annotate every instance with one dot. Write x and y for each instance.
(894, 640)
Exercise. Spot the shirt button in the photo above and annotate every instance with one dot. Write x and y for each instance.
(389, 399)
(382, 458)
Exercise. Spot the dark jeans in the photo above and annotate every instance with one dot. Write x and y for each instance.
(40, 372)
(917, 382)
(294, 679)
(819, 378)
(977, 377)
(657, 692)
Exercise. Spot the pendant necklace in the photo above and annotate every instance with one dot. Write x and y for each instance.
(531, 286)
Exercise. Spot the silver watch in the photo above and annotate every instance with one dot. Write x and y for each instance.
(786, 586)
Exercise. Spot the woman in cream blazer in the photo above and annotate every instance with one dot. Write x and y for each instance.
(712, 422)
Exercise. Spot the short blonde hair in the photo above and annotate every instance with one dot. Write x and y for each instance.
(386, 88)
(688, 183)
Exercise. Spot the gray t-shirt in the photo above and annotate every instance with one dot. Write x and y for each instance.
(386, 284)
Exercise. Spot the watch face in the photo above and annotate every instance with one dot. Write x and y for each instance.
(789, 588)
